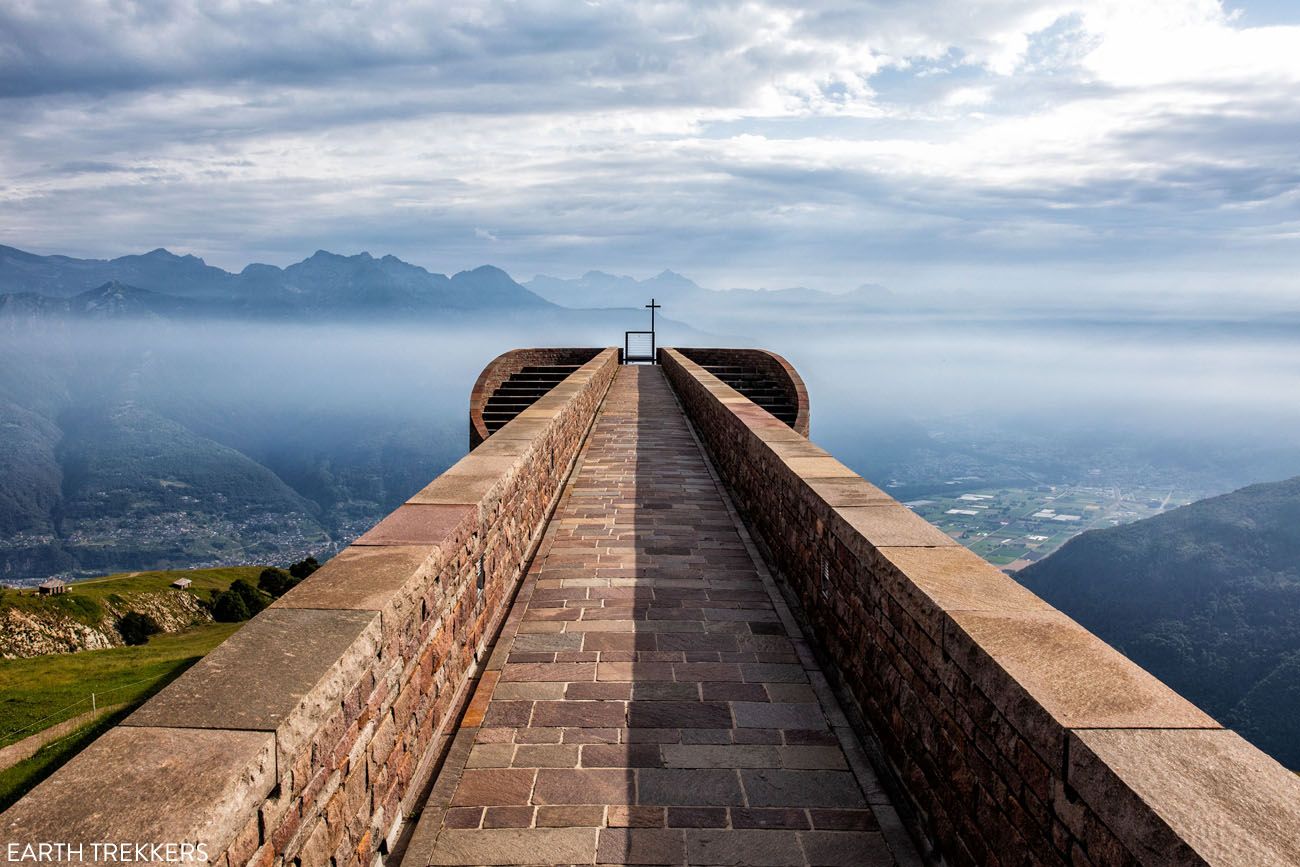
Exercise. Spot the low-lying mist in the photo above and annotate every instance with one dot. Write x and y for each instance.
(1210, 402)
(141, 444)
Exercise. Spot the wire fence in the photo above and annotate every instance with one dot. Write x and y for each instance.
(93, 701)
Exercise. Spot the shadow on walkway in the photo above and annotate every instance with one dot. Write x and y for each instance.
(651, 708)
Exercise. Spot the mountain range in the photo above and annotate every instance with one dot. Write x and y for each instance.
(1206, 597)
(331, 286)
(158, 411)
(324, 285)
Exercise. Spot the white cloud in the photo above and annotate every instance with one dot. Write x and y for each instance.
(762, 141)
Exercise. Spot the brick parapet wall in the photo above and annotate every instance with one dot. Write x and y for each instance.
(775, 366)
(303, 736)
(499, 369)
(1017, 736)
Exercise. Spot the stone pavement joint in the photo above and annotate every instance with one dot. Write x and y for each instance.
(653, 704)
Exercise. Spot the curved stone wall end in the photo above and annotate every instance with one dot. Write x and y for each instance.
(499, 369)
(770, 362)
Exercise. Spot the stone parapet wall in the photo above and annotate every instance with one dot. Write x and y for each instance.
(303, 737)
(499, 369)
(1017, 736)
(775, 366)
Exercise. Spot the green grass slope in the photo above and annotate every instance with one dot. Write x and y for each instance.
(45, 690)
(42, 691)
(85, 600)
(204, 580)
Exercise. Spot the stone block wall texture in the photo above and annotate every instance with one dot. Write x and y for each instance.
(300, 739)
(500, 369)
(1017, 736)
(775, 366)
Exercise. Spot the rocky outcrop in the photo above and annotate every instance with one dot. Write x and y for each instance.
(172, 610)
(26, 633)
(35, 633)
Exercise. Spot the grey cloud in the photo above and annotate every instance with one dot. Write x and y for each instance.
(601, 135)
(77, 167)
(96, 47)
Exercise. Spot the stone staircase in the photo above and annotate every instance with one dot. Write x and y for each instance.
(520, 391)
(759, 386)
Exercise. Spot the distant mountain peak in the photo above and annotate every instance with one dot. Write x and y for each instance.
(116, 287)
(486, 270)
(323, 256)
(324, 285)
(162, 255)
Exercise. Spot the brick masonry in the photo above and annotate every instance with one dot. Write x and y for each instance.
(645, 702)
(302, 737)
(1018, 737)
(774, 366)
(655, 711)
(499, 370)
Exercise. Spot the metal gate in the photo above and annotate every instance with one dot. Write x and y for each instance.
(638, 346)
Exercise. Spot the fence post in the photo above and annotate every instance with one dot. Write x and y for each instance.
(92, 703)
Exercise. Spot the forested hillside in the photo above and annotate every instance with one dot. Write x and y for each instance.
(1207, 598)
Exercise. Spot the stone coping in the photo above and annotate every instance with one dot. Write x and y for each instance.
(1166, 779)
(499, 369)
(208, 759)
(776, 365)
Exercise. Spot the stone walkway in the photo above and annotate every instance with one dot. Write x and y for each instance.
(650, 701)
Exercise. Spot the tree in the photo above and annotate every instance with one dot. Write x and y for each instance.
(135, 627)
(276, 582)
(254, 599)
(240, 602)
(303, 568)
(230, 608)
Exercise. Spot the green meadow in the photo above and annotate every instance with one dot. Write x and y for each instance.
(42, 691)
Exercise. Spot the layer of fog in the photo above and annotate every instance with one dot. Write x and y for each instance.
(1211, 404)
(1203, 402)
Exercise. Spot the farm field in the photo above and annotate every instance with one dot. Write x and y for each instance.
(1013, 527)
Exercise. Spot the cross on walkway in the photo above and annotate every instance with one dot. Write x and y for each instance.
(629, 355)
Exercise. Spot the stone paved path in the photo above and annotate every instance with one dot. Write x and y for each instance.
(646, 704)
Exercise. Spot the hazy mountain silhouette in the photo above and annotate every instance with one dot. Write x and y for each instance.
(322, 286)
(599, 289)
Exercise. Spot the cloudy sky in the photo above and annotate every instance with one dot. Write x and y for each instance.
(1058, 147)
